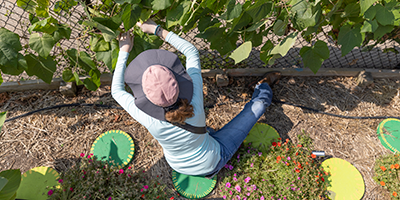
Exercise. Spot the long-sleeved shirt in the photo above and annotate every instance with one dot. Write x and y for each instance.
(186, 152)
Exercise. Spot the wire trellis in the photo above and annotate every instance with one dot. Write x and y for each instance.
(16, 20)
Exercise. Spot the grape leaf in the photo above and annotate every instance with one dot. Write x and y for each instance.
(42, 44)
(43, 68)
(349, 38)
(9, 47)
(242, 52)
(365, 5)
(314, 56)
(384, 15)
(283, 47)
(131, 15)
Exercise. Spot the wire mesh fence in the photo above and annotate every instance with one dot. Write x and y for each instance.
(16, 20)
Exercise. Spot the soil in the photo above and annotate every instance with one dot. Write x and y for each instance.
(56, 137)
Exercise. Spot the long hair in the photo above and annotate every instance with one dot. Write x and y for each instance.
(179, 115)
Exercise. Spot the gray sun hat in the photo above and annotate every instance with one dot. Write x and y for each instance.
(142, 64)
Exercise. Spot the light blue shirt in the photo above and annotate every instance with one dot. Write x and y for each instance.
(186, 152)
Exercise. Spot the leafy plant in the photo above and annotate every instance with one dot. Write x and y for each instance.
(95, 179)
(355, 23)
(9, 183)
(387, 174)
(285, 172)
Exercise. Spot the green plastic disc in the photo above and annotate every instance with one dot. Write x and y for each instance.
(36, 183)
(114, 146)
(261, 136)
(389, 134)
(345, 181)
(193, 187)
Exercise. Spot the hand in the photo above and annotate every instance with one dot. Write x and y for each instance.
(148, 26)
(125, 41)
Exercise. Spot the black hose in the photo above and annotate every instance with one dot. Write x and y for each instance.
(211, 106)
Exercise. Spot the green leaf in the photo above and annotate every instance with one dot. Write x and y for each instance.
(175, 15)
(3, 182)
(107, 33)
(28, 5)
(67, 75)
(127, 1)
(87, 60)
(81, 59)
(370, 13)
(233, 10)
(206, 22)
(97, 43)
(382, 30)
(42, 45)
(349, 38)
(259, 10)
(112, 22)
(265, 53)
(369, 26)
(110, 57)
(47, 25)
(9, 47)
(63, 31)
(304, 16)
(241, 22)
(384, 16)
(14, 180)
(279, 27)
(16, 69)
(2, 120)
(257, 25)
(77, 80)
(283, 47)
(145, 14)
(160, 4)
(365, 5)
(351, 10)
(212, 33)
(43, 68)
(387, 50)
(42, 10)
(131, 15)
(64, 5)
(314, 56)
(93, 82)
(242, 52)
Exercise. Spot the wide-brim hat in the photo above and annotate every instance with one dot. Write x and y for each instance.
(134, 74)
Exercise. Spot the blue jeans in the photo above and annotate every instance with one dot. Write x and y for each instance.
(231, 136)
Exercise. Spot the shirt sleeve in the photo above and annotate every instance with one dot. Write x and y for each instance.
(125, 99)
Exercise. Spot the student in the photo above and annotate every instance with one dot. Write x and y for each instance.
(168, 101)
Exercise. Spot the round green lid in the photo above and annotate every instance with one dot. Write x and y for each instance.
(345, 181)
(193, 187)
(114, 146)
(36, 183)
(261, 136)
(389, 134)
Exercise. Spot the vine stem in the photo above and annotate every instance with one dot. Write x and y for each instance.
(191, 15)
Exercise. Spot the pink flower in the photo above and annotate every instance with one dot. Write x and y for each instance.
(50, 192)
(228, 184)
(262, 198)
(259, 153)
(224, 196)
(234, 174)
(60, 181)
(244, 198)
(251, 165)
(238, 156)
(129, 175)
(230, 167)
(129, 167)
(234, 178)
(288, 158)
(109, 198)
(247, 179)
(226, 166)
(83, 176)
(71, 189)
(238, 188)
(248, 194)
(89, 156)
(141, 190)
(146, 187)
(121, 171)
(238, 197)
(82, 155)
(230, 192)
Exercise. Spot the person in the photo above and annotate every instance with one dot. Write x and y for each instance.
(168, 100)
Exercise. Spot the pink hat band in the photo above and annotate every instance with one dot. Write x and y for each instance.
(160, 85)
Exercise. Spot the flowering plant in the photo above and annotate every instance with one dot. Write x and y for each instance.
(95, 179)
(286, 171)
(387, 174)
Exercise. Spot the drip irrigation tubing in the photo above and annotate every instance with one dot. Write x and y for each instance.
(207, 107)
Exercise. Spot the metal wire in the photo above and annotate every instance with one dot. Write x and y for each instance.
(16, 20)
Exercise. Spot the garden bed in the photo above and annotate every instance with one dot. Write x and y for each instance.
(55, 138)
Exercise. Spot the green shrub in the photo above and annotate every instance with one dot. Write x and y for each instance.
(387, 174)
(95, 179)
(285, 172)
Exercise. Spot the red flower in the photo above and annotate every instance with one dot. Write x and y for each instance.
(383, 168)
(298, 171)
(171, 198)
(313, 156)
(322, 178)
(297, 153)
(382, 183)
(274, 144)
(287, 149)
(279, 139)
(299, 145)
(142, 195)
(287, 140)
(391, 166)
(397, 166)
(278, 158)
(394, 194)
(279, 144)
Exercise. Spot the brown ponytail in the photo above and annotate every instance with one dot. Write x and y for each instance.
(180, 114)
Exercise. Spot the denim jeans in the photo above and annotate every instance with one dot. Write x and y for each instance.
(231, 136)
